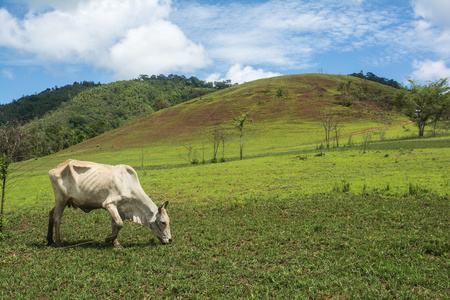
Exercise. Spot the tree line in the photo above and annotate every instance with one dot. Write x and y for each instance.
(372, 77)
(34, 106)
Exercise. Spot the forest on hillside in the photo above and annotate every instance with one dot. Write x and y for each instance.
(372, 77)
(34, 106)
(58, 118)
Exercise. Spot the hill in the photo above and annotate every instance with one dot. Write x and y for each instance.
(103, 108)
(30, 107)
(282, 108)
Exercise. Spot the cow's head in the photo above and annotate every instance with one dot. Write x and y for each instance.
(160, 227)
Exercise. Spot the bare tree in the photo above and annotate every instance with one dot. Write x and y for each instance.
(327, 123)
(10, 141)
(218, 135)
(11, 138)
(337, 130)
(331, 124)
(367, 137)
(191, 154)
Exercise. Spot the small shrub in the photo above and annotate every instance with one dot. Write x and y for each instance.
(223, 160)
(388, 187)
(213, 160)
(416, 190)
(343, 188)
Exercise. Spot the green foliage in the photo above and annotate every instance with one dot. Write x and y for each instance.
(103, 108)
(4, 166)
(372, 77)
(4, 163)
(344, 187)
(30, 107)
(425, 104)
(239, 124)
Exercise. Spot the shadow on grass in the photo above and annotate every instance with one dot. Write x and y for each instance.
(93, 244)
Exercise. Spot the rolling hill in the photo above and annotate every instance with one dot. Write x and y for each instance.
(287, 108)
(97, 109)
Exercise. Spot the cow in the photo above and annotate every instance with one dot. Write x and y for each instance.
(89, 186)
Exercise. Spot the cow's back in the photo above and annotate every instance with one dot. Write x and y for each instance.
(86, 184)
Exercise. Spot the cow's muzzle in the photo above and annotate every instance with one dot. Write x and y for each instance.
(165, 241)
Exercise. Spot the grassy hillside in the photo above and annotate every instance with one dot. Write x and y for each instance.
(363, 220)
(103, 108)
(286, 111)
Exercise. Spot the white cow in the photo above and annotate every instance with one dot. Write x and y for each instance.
(89, 186)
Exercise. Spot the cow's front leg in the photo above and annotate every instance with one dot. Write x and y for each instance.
(116, 224)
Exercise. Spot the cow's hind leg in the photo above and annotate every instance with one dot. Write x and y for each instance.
(57, 216)
(116, 224)
(51, 223)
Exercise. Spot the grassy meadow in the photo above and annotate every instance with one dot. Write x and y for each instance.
(291, 220)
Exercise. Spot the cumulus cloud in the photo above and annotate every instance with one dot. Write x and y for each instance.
(240, 74)
(436, 11)
(158, 48)
(127, 37)
(430, 70)
(432, 27)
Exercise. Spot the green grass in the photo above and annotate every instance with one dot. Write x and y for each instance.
(341, 245)
(344, 225)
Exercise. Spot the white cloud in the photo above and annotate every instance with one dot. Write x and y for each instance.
(8, 74)
(127, 37)
(430, 70)
(436, 11)
(158, 48)
(432, 28)
(288, 34)
(241, 74)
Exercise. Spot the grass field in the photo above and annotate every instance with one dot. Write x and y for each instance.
(291, 220)
(344, 225)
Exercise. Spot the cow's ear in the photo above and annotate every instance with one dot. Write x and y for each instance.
(163, 205)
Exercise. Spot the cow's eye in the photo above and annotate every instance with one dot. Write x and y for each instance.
(164, 223)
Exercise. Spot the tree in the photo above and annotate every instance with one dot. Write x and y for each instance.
(10, 142)
(337, 131)
(239, 124)
(331, 124)
(425, 104)
(218, 135)
(215, 138)
(4, 164)
(346, 96)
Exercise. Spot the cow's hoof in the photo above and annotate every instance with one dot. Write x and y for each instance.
(110, 238)
(118, 247)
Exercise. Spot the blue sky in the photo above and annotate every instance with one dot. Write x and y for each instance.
(47, 43)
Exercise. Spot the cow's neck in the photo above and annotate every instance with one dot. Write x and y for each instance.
(141, 211)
